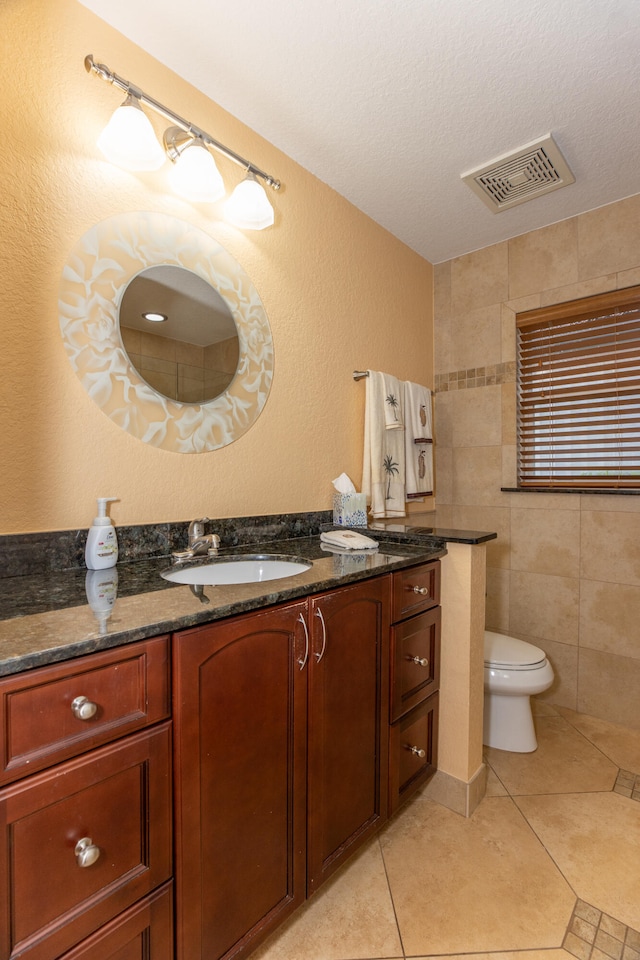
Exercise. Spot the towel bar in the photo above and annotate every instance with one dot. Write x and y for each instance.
(361, 374)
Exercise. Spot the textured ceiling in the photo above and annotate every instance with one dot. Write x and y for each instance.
(390, 101)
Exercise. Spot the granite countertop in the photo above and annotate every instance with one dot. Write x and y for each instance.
(441, 524)
(46, 617)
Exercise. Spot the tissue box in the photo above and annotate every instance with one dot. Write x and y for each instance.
(350, 509)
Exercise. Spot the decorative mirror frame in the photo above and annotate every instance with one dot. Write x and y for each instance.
(99, 268)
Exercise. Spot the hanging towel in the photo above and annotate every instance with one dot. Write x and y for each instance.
(393, 401)
(383, 460)
(418, 441)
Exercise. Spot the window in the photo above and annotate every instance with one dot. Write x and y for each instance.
(579, 393)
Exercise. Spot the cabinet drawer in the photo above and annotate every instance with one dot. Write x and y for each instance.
(42, 719)
(415, 661)
(415, 590)
(413, 735)
(119, 799)
(144, 932)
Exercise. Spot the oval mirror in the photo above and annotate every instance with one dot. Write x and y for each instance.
(179, 334)
(124, 252)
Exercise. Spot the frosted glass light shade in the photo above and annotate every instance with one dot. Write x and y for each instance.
(129, 141)
(248, 206)
(195, 175)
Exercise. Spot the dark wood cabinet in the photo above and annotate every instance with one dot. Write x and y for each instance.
(240, 759)
(86, 841)
(280, 758)
(82, 842)
(413, 751)
(64, 710)
(415, 678)
(143, 932)
(348, 706)
(415, 661)
(297, 730)
(415, 589)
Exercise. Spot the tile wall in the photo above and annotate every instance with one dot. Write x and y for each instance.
(564, 572)
(182, 371)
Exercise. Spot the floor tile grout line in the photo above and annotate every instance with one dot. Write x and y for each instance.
(496, 775)
(391, 897)
(585, 737)
(546, 849)
(560, 793)
(479, 953)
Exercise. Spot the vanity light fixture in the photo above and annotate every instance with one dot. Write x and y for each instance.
(194, 175)
(129, 140)
(154, 317)
(248, 206)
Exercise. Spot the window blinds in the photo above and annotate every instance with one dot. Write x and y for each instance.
(579, 393)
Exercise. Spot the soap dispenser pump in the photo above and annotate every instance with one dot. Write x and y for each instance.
(102, 544)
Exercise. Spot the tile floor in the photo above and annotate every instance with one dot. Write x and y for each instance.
(547, 867)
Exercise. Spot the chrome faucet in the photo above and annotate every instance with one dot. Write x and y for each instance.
(199, 542)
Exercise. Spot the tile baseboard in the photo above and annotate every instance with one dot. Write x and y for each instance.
(458, 795)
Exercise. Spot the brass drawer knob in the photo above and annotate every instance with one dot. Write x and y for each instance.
(421, 661)
(423, 591)
(83, 708)
(86, 852)
(415, 750)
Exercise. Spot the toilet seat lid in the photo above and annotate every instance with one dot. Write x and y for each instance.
(503, 651)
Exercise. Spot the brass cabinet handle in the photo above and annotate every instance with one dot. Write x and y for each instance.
(320, 655)
(415, 750)
(423, 591)
(86, 852)
(83, 708)
(303, 662)
(421, 661)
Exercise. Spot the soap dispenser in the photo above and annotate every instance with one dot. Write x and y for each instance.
(102, 544)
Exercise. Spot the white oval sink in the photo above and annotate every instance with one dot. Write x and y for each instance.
(240, 569)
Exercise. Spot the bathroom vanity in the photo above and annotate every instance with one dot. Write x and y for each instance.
(202, 782)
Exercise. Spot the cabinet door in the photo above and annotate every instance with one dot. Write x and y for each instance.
(348, 722)
(240, 740)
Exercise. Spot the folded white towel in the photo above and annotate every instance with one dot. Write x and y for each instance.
(383, 459)
(393, 401)
(418, 441)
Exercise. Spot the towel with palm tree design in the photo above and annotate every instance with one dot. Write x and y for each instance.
(393, 403)
(383, 472)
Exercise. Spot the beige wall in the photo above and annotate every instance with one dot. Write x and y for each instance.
(340, 293)
(564, 572)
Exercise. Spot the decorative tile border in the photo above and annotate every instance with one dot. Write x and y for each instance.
(593, 935)
(476, 377)
(628, 784)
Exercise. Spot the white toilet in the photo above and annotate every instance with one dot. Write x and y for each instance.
(513, 671)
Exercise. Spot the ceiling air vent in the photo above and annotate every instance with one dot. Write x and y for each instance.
(516, 177)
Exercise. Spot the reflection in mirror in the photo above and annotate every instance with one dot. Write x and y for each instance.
(190, 353)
